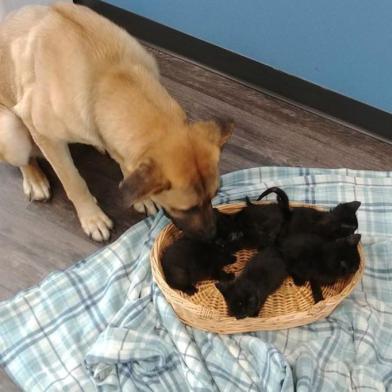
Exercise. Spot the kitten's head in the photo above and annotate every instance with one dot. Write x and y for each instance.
(252, 220)
(228, 230)
(342, 220)
(342, 257)
(241, 298)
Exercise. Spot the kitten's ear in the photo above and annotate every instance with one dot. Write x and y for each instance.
(353, 206)
(248, 202)
(353, 239)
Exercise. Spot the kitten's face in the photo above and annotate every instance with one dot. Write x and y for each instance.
(252, 219)
(228, 232)
(343, 220)
(241, 298)
(342, 257)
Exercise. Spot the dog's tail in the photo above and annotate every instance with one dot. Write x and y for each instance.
(282, 198)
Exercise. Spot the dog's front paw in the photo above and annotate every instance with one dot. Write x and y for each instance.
(35, 185)
(147, 207)
(95, 223)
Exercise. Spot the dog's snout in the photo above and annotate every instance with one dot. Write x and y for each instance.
(206, 233)
(198, 224)
(210, 227)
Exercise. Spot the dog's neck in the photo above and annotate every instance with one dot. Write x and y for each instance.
(139, 114)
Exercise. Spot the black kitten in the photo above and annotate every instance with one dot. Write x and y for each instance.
(262, 223)
(229, 233)
(263, 275)
(340, 221)
(187, 262)
(310, 257)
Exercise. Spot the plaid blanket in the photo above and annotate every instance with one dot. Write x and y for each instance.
(104, 325)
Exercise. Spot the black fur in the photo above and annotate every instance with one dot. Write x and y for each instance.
(263, 275)
(187, 262)
(309, 257)
(229, 233)
(283, 200)
(339, 222)
(261, 224)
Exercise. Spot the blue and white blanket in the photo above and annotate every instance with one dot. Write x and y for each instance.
(104, 325)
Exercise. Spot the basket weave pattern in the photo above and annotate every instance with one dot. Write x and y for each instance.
(290, 306)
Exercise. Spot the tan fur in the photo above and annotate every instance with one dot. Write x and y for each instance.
(69, 75)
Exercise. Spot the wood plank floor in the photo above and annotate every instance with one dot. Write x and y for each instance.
(37, 238)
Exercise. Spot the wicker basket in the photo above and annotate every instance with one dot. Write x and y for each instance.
(288, 307)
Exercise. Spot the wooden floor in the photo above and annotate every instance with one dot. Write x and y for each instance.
(36, 238)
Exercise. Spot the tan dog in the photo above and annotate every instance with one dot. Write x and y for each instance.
(68, 75)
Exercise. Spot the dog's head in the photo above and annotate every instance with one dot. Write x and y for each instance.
(180, 173)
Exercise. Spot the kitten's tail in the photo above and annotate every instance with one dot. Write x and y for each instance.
(282, 198)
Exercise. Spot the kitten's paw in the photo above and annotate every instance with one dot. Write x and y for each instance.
(191, 290)
(229, 260)
(317, 299)
(298, 281)
(255, 313)
(316, 291)
(225, 276)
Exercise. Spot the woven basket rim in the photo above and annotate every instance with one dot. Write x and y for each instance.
(175, 299)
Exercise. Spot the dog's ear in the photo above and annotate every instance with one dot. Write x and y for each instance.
(217, 132)
(147, 179)
(226, 128)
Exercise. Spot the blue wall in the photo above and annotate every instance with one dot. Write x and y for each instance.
(342, 45)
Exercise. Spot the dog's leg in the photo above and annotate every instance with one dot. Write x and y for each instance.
(93, 220)
(17, 148)
(147, 207)
(35, 184)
